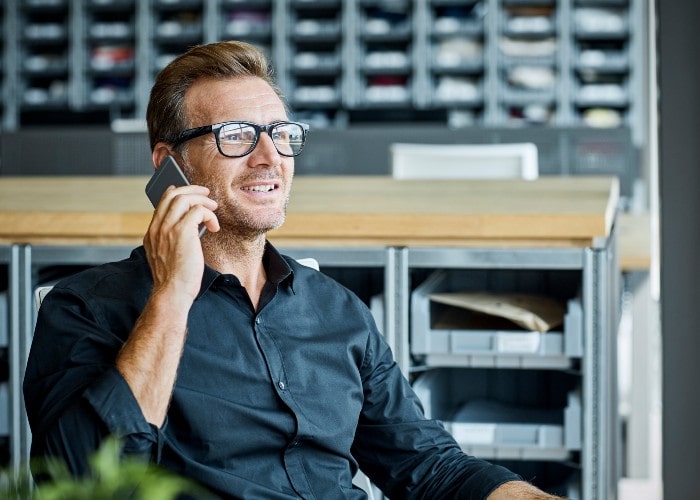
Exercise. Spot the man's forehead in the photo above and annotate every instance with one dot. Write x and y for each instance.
(208, 97)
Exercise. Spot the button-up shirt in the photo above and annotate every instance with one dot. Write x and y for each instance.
(283, 402)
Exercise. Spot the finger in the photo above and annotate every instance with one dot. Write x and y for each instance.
(161, 209)
(210, 221)
(172, 193)
(177, 204)
(198, 215)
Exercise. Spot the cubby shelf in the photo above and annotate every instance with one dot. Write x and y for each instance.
(489, 62)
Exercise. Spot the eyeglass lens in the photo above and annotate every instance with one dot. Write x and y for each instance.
(238, 139)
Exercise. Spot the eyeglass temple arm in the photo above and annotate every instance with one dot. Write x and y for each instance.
(192, 133)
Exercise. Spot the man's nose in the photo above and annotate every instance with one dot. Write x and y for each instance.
(265, 148)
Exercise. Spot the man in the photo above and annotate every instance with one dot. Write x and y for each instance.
(218, 358)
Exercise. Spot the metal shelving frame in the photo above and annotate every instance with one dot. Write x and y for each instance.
(599, 462)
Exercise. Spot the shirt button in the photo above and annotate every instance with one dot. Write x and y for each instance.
(257, 320)
(281, 385)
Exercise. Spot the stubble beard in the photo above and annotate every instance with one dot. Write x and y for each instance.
(236, 223)
(239, 224)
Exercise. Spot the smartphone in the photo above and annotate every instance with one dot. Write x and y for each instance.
(167, 174)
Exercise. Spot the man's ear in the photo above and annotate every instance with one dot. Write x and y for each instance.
(160, 151)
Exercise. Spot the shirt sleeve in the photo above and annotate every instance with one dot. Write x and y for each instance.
(405, 454)
(74, 394)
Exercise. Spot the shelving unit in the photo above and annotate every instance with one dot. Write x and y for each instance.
(109, 62)
(488, 62)
(522, 398)
(387, 48)
(457, 57)
(603, 43)
(44, 62)
(531, 70)
(312, 61)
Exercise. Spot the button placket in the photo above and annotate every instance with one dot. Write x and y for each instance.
(277, 365)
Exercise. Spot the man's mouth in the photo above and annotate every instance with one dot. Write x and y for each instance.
(263, 188)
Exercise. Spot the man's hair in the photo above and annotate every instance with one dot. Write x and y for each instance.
(165, 115)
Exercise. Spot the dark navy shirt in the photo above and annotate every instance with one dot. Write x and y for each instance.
(287, 402)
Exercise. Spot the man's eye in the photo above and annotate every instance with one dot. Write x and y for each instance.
(281, 136)
(238, 136)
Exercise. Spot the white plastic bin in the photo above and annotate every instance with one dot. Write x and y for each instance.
(477, 347)
(487, 426)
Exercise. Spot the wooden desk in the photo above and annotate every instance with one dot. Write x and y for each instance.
(333, 211)
(634, 241)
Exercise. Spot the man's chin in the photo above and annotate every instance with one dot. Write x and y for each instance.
(272, 227)
(251, 229)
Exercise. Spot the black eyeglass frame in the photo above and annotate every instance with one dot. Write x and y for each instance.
(192, 133)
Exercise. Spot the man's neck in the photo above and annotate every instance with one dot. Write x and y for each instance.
(242, 257)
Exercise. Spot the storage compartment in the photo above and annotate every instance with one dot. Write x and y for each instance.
(245, 23)
(506, 414)
(452, 336)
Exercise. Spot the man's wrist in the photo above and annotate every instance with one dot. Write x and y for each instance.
(520, 490)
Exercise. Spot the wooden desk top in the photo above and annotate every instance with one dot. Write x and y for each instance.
(333, 211)
(634, 241)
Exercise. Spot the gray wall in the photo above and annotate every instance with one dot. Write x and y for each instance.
(679, 170)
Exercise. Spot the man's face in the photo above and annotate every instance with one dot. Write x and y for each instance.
(252, 192)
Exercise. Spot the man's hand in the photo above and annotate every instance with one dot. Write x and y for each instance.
(172, 242)
(520, 490)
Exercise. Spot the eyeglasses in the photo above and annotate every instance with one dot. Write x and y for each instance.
(236, 139)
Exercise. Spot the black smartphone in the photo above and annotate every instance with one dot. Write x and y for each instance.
(167, 174)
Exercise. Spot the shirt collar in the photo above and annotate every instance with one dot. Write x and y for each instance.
(276, 267)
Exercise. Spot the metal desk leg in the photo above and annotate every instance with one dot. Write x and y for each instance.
(600, 454)
(396, 305)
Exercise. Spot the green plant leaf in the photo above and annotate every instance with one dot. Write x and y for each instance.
(112, 477)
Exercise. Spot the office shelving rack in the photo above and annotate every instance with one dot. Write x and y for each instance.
(45, 46)
(481, 62)
(109, 58)
(522, 399)
(387, 47)
(456, 69)
(312, 58)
